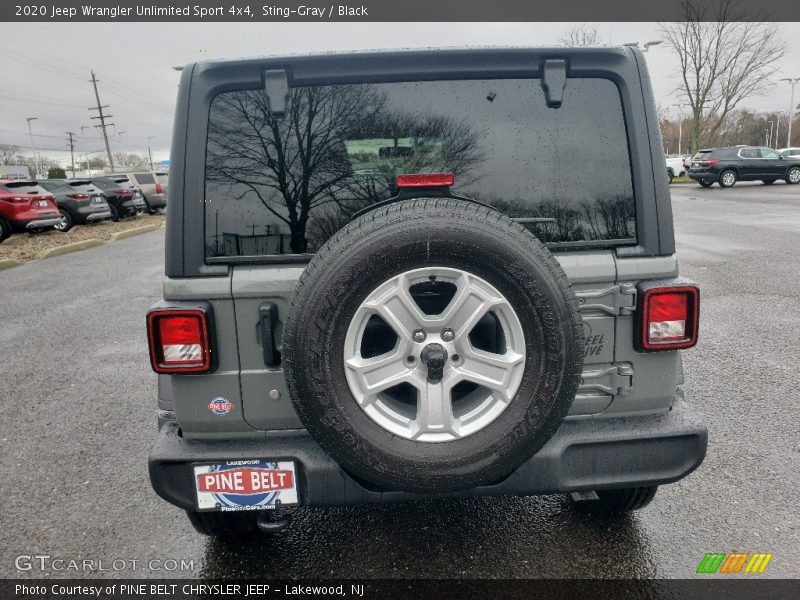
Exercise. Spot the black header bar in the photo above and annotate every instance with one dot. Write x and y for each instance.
(392, 10)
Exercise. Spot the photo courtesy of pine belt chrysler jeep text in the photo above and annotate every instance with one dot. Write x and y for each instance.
(385, 280)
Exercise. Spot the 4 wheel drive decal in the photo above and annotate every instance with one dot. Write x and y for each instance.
(736, 562)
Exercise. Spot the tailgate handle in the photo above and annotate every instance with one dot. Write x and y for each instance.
(553, 82)
(268, 317)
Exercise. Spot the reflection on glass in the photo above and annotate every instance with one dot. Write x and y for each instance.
(284, 186)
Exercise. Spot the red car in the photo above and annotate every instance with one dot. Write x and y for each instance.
(26, 206)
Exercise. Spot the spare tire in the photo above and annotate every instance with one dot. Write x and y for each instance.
(433, 345)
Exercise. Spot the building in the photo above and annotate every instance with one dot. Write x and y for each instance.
(14, 172)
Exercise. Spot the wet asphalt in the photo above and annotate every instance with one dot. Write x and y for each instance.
(78, 415)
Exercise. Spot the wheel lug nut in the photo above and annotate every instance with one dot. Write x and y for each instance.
(448, 335)
(418, 336)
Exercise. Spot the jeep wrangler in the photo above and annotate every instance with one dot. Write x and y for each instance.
(393, 275)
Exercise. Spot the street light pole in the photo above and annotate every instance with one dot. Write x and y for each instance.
(769, 139)
(680, 124)
(778, 129)
(792, 81)
(33, 146)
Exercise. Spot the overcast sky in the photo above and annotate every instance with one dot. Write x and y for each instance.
(45, 67)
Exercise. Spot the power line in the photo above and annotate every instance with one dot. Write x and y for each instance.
(50, 56)
(51, 149)
(31, 101)
(31, 62)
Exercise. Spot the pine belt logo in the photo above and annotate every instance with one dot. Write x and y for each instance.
(735, 562)
(220, 406)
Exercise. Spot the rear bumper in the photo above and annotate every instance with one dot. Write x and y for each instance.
(587, 454)
(131, 207)
(97, 216)
(37, 223)
(157, 200)
(91, 212)
(703, 175)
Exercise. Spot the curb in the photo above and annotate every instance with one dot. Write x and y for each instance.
(121, 235)
(73, 247)
(7, 263)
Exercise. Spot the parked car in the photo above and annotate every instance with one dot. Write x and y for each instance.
(676, 167)
(124, 199)
(153, 185)
(726, 166)
(432, 344)
(25, 206)
(79, 201)
(790, 152)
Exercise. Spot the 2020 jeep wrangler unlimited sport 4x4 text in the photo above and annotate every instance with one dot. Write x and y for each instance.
(386, 278)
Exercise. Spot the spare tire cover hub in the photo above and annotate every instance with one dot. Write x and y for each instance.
(433, 416)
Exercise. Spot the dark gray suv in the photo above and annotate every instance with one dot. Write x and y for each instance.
(385, 280)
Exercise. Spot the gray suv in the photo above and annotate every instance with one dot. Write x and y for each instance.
(386, 279)
(153, 185)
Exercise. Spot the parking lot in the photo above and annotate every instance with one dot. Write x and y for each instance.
(79, 398)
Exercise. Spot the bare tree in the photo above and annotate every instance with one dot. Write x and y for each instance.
(299, 167)
(126, 160)
(723, 60)
(291, 164)
(8, 153)
(581, 35)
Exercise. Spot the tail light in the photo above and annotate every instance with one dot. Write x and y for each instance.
(122, 192)
(179, 340)
(159, 188)
(17, 199)
(78, 196)
(711, 161)
(414, 180)
(669, 318)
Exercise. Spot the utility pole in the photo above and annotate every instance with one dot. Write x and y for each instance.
(99, 108)
(149, 152)
(792, 81)
(71, 144)
(33, 146)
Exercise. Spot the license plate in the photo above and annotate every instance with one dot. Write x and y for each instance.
(245, 485)
(97, 199)
(42, 203)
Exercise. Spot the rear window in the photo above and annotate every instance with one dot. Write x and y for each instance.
(144, 178)
(24, 187)
(284, 186)
(52, 185)
(82, 186)
(162, 177)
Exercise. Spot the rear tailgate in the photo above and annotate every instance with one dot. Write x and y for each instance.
(38, 200)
